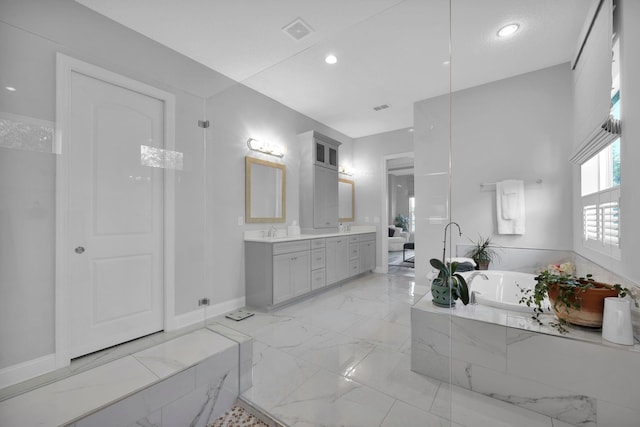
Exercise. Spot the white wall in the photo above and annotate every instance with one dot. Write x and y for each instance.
(370, 179)
(517, 128)
(209, 249)
(237, 114)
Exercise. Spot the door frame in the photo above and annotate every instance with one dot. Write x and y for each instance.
(65, 65)
(384, 244)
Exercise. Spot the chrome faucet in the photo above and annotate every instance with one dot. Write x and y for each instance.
(272, 231)
(472, 295)
(444, 242)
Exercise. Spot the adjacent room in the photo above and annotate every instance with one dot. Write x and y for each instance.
(299, 213)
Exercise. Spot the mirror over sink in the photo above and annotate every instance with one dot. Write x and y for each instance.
(265, 191)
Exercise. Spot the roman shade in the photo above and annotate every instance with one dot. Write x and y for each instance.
(592, 79)
(599, 139)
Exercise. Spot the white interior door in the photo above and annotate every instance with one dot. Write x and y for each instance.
(115, 214)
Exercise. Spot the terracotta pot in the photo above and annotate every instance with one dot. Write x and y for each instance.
(591, 302)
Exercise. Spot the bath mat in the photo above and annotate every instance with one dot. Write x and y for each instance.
(238, 417)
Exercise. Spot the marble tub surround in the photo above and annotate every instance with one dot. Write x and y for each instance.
(192, 378)
(577, 378)
(343, 357)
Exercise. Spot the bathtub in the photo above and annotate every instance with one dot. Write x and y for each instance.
(502, 289)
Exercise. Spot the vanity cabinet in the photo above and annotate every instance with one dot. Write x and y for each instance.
(326, 153)
(319, 197)
(337, 259)
(318, 264)
(290, 276)
(325, 204)
(277, 272)
(367, 252)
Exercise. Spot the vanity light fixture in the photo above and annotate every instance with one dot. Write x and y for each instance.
(265, 147)
(331, 59)
(345, 170)
(508, 30)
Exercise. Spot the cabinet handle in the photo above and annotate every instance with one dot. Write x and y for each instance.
(294, 258)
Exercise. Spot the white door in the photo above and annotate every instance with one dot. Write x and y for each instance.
(115, 214)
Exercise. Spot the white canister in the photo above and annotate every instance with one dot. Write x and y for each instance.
(293, 229)
(616, 321)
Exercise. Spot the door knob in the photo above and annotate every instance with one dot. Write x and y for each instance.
(79, 250)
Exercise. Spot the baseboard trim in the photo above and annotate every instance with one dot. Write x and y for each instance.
(26, 370)
(206, 313)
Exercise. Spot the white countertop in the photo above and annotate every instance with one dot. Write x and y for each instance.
(257, 235)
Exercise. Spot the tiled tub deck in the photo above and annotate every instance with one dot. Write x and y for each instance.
(189, 380)
(578, 378)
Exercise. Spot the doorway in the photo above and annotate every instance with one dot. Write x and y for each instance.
(398, 211)
(112, 283)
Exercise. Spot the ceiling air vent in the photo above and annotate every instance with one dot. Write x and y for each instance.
(297, 29)
(381, 107)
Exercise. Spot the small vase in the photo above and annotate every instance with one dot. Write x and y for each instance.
(441, 293)
(591, 302)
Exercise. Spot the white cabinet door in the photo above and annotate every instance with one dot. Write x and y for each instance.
(300, 269)
(337, 259)
(282, 289)
(367, 256)
(291, 275)
(325, 191)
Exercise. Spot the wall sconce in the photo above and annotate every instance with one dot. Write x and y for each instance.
(265, 147)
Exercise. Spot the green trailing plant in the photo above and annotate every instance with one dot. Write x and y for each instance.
(447, 276)
(483, 251)
(569, 289)
(402, 221)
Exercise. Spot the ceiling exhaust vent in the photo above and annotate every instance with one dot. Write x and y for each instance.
(298, 29)
(381, 107)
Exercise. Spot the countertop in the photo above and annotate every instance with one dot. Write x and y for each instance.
(256, 235)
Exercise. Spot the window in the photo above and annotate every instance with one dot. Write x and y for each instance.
(600, 183)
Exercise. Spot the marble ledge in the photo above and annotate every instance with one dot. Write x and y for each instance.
(79, 395)
(281, 236)
(518, 320)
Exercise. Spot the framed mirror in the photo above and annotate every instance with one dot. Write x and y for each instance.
(346, 200)
(265, 191)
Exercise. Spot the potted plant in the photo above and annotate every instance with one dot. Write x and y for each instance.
(448, 286)
(402, 221)
(483, 253)
(575, 300)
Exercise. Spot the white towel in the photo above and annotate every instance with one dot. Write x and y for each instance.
(510, 206)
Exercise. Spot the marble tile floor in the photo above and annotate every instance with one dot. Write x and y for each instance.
(342, 358)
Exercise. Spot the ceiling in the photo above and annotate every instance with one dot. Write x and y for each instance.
(389, 52)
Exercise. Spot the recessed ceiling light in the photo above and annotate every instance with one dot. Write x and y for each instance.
(10, 88)
(508, 30)
(331, 59)
(445, 63)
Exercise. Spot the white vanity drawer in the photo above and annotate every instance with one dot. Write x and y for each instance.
(317, 243)
(318, 279)
(354, 239)
(287, 247)
(317, 258)
(354, 251)
(354, 267)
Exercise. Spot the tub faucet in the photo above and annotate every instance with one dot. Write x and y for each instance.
(444, 242)
(472, 296)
